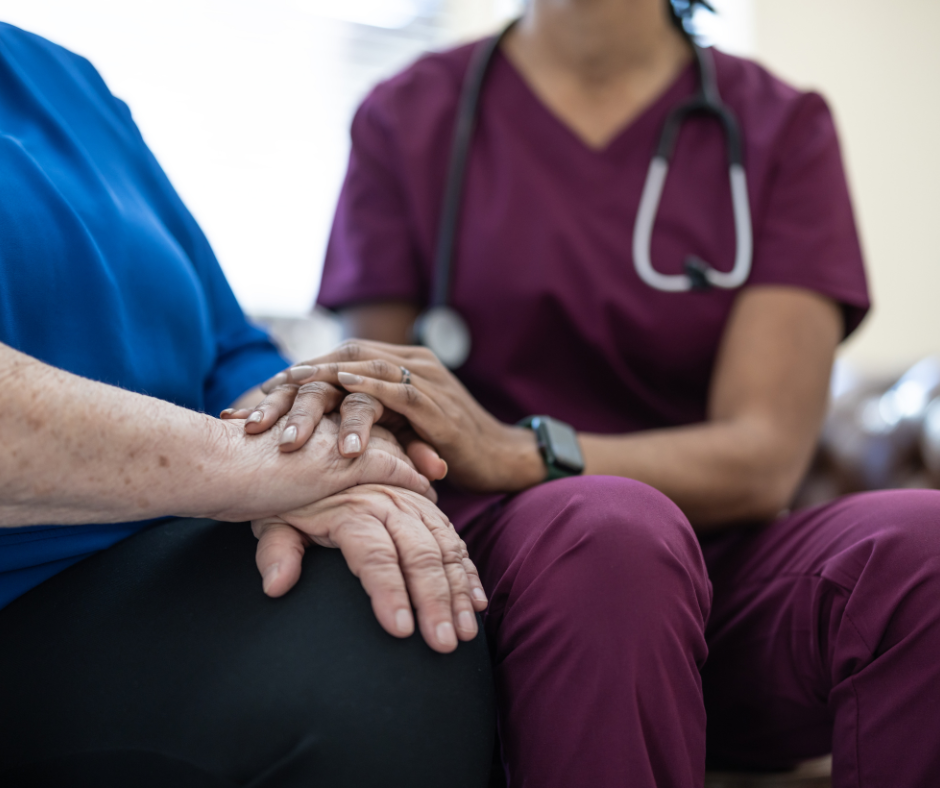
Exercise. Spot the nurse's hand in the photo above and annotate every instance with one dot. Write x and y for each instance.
(403, 549)
(313, 400)
(307, 401)
(483, 454)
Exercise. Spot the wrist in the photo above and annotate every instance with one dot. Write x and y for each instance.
(524, 466)
(235, 462)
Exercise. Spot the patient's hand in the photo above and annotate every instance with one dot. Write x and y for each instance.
(402, 548)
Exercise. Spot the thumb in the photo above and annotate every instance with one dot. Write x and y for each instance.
(279, 555)
(426, 459)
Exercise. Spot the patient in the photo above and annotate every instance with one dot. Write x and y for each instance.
(138, 649)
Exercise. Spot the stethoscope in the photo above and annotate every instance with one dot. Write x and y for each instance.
(445, 332)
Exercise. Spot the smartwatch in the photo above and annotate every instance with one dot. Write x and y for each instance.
(558, 444)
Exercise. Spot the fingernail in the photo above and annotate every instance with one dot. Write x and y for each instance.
(279, 378)
(446, 469)
(445, 634)
(226, 413)
(269, 576)
(301, 371)
(348, 377)
(466, 621)
(255, 417)
(290, 435)
(352, 444)
(479, 595)
(403, 621)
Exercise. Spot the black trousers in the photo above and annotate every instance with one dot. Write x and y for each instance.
(160, 663)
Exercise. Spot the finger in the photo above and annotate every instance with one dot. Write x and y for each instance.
(477, 592)
(309, 405)
(383, 468)
(267, 412)
(358, 413)
(429, 587)
(232, 413)
(405, 398)
(427, 461)
(372, 556)
(279, 555)
(388, 368)
(296, 374)
(456, 563)
(353, 350)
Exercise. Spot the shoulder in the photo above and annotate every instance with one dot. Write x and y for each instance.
(769, 107)
(40, 54)
(418, 101)
(54, 70)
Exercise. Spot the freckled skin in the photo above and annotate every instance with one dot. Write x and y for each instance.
(104, 455)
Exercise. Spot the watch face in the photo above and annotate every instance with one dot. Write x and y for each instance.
(562, 442)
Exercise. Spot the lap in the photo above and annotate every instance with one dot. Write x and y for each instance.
(162, 653)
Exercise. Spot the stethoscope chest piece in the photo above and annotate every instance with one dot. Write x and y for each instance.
(445, 333)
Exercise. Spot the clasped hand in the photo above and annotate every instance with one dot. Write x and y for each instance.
(377, 510)
(432, 408)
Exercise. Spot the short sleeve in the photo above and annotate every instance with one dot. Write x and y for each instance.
(244, 355)
(806, 234)
(371, 255)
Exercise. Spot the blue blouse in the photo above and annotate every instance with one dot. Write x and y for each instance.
(103, 271)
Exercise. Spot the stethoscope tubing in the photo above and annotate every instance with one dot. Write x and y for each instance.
(442, 328)
(646, 218)
(457, 166)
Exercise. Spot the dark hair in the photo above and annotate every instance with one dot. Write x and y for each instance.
(682, 11)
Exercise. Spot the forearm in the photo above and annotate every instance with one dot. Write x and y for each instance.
(718, 473)
(77, 451)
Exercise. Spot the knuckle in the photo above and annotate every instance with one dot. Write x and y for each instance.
(314, 389)
(350, 350)
(378, 555)
(354, 420)
(380, 368)
(359, 401)
(425, 559)
(451, 555)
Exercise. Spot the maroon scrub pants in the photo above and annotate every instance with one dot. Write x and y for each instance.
(823, 635)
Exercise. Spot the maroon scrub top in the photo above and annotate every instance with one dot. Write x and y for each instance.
(561, 322)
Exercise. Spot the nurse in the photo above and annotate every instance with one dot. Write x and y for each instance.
(696, 413)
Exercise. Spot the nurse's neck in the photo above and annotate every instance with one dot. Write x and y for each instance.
(597, 64)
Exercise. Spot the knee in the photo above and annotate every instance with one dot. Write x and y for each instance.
(903, 526)
(609, 535)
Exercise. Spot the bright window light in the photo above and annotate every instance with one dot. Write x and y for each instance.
(378, 13)
(247, 105)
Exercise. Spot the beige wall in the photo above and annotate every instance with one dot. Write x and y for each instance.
(878, 63)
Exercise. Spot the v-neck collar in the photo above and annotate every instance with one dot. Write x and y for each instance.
(680, 87)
